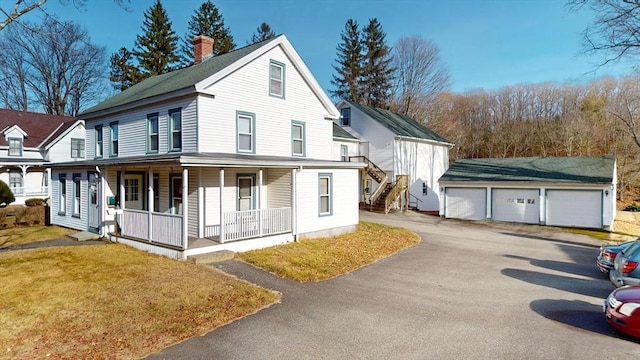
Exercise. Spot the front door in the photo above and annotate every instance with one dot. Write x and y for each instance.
(246, 195)
(94, 205)
(134, 191)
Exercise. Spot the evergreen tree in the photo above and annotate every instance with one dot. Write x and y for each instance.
(156, 49)
(349, 64)
(123, 73)
(207, 21)
(377, 70)
(6, 195)
(263, 32)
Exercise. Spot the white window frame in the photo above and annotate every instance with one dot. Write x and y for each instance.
(328, 177)
(344, 153)
(16, 180)
(175, 130)
(77, 148)
(99, 141)
(62, 195)
(77, 195)
(251, 134)
(273, 81)
(114, 137)
(301, 140)
(151, 135)
(15, 146)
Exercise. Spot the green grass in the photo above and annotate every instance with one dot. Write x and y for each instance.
(321, 259)
(112, 301)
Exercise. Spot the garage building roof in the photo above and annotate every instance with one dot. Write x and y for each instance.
(572, 169)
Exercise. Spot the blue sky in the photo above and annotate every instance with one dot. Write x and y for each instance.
(485, 44)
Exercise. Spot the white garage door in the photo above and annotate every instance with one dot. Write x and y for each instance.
(466, 203)
(580, 208)
(516, 205)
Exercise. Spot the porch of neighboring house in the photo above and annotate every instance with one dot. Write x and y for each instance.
(235, 209)
(26, 181)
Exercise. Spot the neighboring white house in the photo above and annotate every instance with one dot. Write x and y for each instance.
(571, 191)
(397, 145)
(232, 153)
(29, 142)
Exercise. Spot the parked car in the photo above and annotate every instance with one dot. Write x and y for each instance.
(608, 254)
(625, 266)
(621, 310)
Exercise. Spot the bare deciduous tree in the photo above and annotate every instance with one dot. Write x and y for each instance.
(420, 76)
(20, 8)
(52, 66)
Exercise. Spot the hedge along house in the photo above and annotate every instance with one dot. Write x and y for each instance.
(558, 191)
(30, 142)
(232, 153)
(395, 147)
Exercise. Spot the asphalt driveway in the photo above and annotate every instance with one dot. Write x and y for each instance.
(467, 291)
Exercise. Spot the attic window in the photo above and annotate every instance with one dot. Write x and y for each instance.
(276, 79)
(15, 147)
(345, 117)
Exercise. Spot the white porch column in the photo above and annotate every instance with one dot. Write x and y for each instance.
(259, 207)
(201, 206)
(23, 169)
(185, 208)
(121, 200)
(294, 204)
(221, 205)
(48, 182)
(150, 201)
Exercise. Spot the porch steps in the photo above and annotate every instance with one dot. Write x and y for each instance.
(212, 257)
(84, 236)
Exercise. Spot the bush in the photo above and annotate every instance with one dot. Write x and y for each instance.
(632, 207)
(35, 202)
(6, 195)
(29, 216)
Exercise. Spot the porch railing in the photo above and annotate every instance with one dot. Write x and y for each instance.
(247, 224)
(166, 228)
(30, 191)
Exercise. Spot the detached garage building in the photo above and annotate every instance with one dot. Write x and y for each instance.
(572, 191)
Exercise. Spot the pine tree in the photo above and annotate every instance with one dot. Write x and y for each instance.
(123, 74)
(263, 32)
(377, 70)
(208, 21)
(156, 49)
(349, 61)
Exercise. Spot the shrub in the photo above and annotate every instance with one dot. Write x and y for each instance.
(6, 195)
(633, 207)
(35, 202)
(29, 216)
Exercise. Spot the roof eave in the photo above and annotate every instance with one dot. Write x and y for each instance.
(139, 103)
(435, 142)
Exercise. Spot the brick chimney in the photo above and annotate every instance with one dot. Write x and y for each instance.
(203, 46)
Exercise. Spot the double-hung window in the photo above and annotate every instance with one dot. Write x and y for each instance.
(153, 142)
(15, 180)
(62, 198)
(276, 79)
(76, 195)
(175, 119)
(325, 194)
(344, 153)
(77, 148)
(345, 116)
(113, 139)
(98, 138)
(297, 138)
(15, 147)
(245, 126)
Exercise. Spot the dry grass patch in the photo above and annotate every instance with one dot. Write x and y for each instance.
(111, 301)
(321, 259)
(24, 235)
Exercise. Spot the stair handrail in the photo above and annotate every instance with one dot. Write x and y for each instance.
(374, 196)
(415, 197)
(402, 184)
(369, 163)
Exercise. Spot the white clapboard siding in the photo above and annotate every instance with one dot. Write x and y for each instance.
(278, 187)
(247, 91)
(192, 213)
(61, 150)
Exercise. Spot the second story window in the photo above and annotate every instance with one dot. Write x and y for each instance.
(246, 133)
(152, 133)
(98, 138)
(297, 138)
(113, 139)
(276, 79)
(345, 117)
(15, 147)
(175, 119)
(77, 148)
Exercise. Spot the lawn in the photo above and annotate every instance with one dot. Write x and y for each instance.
(112, 301)
(321, 259)
(28, 234)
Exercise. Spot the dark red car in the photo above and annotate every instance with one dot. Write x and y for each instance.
(622, 310)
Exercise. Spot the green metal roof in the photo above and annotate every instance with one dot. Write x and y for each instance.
(572, 169)
(400, 125)
(175, 80)
(341, 133)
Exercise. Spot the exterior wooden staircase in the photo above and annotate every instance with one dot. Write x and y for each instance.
(387, 193)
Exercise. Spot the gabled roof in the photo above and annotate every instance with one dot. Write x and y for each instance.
(572, 169)
(38, 127)
(339, 132)
(400, 125)
(197, 78)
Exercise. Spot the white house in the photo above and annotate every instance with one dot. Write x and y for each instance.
(232, 153)
(29, 142)
(397, 148)
(576, 191)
